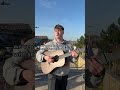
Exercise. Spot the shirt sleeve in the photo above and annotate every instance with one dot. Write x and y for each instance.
(39, 54)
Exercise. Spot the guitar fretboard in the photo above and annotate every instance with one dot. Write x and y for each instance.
(69, 54)
(65, 55)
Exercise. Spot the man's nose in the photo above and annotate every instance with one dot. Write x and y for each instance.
(57, 32)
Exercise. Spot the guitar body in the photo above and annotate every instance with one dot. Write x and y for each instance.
(48, 67)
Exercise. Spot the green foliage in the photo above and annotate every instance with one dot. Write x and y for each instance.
(80, 42)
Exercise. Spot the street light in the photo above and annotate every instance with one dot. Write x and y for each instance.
(36, 27)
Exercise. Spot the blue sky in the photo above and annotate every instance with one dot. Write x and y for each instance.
(69, 13)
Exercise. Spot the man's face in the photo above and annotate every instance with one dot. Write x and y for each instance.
(58, 33)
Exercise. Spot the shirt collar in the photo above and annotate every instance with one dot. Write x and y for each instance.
(59, 43)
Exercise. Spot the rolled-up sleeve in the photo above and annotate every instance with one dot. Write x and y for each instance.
(39, 54)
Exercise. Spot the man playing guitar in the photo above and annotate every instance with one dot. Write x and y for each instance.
(57, 79)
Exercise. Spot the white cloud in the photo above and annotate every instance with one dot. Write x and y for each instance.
(47, 3)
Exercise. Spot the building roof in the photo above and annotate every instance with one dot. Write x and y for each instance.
(41, 37)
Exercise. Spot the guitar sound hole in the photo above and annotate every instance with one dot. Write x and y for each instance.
(56, 58)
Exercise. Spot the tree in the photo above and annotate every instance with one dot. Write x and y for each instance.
(80, 42)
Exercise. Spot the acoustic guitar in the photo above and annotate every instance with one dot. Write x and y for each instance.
(59, 60)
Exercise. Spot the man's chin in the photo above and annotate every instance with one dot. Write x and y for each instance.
(57, 37)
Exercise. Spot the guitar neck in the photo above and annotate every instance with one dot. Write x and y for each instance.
(65, 55)
(69, 53)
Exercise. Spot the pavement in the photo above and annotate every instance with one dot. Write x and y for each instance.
(75, 80)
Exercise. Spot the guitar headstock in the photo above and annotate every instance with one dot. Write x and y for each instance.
(79, 50)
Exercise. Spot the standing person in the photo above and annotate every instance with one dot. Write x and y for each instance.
(57, 79)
